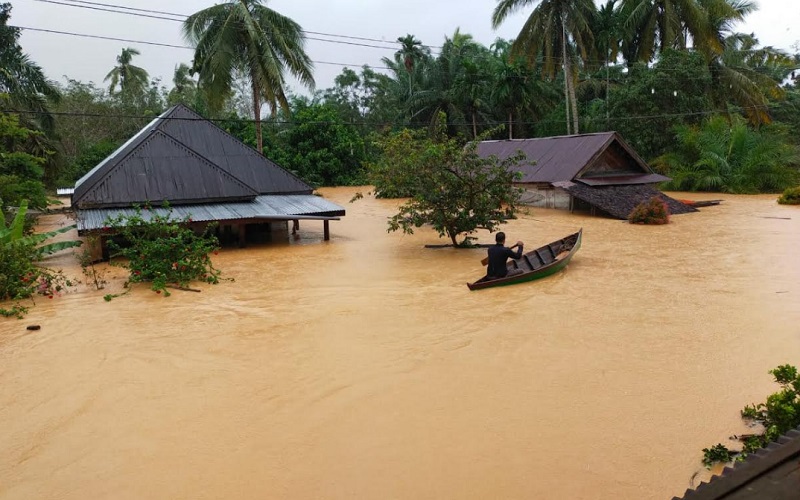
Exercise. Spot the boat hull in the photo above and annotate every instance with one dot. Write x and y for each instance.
(536, 264)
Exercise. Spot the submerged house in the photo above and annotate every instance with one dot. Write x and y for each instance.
(203, 173)
(599, 172)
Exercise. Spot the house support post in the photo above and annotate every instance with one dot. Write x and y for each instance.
(242, 235)
(327, 229)
(295, 226)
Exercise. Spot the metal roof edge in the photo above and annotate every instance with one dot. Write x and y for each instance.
(94, 175)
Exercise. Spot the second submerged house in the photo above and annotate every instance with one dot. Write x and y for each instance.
(597, 171)
(203, 173)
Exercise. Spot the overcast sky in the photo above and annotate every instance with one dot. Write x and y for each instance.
(777, 23)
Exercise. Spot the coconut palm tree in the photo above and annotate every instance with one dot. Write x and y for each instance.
(656, 25)
(554, 31)
(132, 80)
(246, 35)
(411, 51)
(742, 72)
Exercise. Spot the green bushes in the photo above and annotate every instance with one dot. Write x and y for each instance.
(21, 278)
(162, 251)
(730, 157)
(653, 212)
(790, 197)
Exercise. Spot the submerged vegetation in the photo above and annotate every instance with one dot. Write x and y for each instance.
(790, 197)
(161, 250)
(451, 187)
(21, 277)
(651, 212)
(777, 416)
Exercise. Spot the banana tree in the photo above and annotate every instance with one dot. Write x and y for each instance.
(14, 234)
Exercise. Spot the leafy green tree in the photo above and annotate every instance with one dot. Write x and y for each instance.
(247, 36)
(452, 188)
(517, 90)
(21, 172)
(131, 80)
(22, 80)
(319, 146)
(555, 30)
(731, 157)
(651, 102)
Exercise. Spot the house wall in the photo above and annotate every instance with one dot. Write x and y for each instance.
(544, 196)
(613, 161)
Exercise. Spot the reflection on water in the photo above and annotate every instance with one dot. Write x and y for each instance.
(364, 368)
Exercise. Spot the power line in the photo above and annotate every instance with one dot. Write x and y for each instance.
(365, 123)
(367, 39)
(145, 13)
(158, 44)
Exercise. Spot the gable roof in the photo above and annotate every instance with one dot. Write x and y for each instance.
(563, 158)
(183, 158)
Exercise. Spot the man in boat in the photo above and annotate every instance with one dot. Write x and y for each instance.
(499, 255)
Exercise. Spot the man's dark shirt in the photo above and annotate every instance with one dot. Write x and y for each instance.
(498, 256)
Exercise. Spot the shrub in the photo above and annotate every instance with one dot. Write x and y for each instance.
(790, 197)
(780, 414)
(161, 250)
(21, 278)
(653, 211)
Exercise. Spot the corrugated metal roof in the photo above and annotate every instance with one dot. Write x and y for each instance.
(173, 158)
(64, 191)
(619, 201)
(266, 206)
(558, 158)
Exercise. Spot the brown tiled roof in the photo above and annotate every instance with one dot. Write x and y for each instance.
(619, 201)
(558, 158)
(770, 473)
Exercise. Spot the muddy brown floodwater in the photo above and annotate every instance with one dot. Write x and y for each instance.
(364, 368)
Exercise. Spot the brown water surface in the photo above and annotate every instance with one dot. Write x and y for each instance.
(364, 368)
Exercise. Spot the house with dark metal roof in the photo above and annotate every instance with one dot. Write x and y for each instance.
(769, 473)
(203, 173)
(595, 171)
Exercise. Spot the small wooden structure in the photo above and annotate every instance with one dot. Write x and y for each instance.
(204, 174)
(596, 171)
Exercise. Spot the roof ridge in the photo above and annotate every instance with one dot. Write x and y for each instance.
(552, 137)
(239, 142)
(206, 160)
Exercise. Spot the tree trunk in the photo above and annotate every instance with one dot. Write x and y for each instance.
(474, 126)
(575, 128)
(453, 238)
(565, 65)
(510, 124)
(257, 115)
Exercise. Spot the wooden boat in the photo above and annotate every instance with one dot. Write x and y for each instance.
(701, 203)
(538, 263)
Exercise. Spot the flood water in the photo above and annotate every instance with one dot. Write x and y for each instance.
(364, 368)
